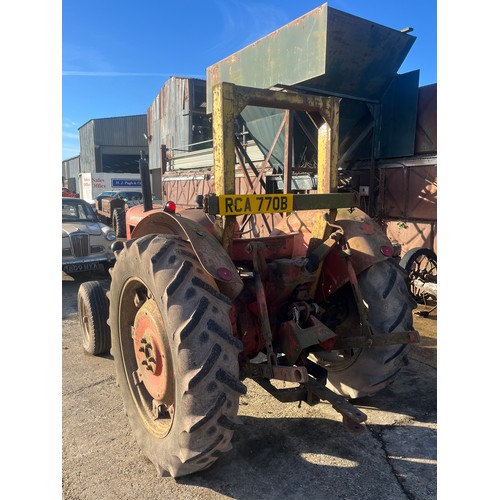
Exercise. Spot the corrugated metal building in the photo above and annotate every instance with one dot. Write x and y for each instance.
(177, 124)
(180, 131)
(113, 144)
(177, 119)
(70, 171)
(108, 145)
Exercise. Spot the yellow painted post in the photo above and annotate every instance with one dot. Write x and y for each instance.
(328, 148)
(328, 157)
(223, 116)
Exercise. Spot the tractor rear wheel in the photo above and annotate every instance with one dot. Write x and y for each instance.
(118, 223)
(93, 314)
(364, 372)
(175, 356)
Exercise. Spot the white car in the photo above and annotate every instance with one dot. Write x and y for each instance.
(86, 242)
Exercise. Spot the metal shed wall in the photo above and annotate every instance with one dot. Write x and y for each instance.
(121, 131)
(71, 168)
(177, 118)
(87, 148)
(120, 135)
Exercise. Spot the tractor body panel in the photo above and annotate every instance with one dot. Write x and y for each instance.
(208, 250)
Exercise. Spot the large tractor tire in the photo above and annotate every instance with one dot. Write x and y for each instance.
(119, 223)
(175, 356)
(364, 372)
(93, 314)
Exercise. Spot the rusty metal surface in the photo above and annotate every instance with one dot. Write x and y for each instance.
(292, 53)
(228, 101)
(260, 274)
(175, 119)
(183, 188)
(296, 374)
(329, 52)
(106, 205)
(412, 234)
(364, 235)
(352, 416)
(409, 192)
(151, 350)
(294, 339)
(273, 247)
(325, 49)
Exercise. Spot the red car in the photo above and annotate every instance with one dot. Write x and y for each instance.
(68, 194)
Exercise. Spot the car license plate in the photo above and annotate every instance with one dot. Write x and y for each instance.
(80, 268)
(241, 204)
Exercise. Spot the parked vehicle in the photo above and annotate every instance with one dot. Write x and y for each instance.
(66, 193)
(111, 206)
(86, 242)
(130, 196)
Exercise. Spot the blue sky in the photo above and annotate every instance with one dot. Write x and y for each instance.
(116, 56)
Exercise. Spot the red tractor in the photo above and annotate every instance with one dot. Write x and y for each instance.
(195, 307)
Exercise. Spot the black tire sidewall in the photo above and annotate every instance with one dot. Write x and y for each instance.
(118, 222)
(93, 296)
(374, 368)
(163, 451)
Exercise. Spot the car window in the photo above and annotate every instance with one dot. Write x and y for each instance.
(105, 193)
(79, 211)
(130, 195)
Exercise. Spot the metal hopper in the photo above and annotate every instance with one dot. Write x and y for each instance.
(332, 53)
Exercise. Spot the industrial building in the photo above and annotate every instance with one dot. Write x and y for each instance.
(109, 145)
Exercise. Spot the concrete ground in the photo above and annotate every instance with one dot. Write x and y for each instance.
(281, 450)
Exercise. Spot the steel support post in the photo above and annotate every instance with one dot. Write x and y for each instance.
(223, 117)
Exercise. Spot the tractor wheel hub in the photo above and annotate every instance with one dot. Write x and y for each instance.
(152, 352)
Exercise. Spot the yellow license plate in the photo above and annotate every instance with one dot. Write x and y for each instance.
(241, 204)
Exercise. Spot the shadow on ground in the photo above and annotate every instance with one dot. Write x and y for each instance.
(290, 461)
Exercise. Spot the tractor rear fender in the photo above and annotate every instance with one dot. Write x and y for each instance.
(209, 251)
(366, 239)
(367, 243)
